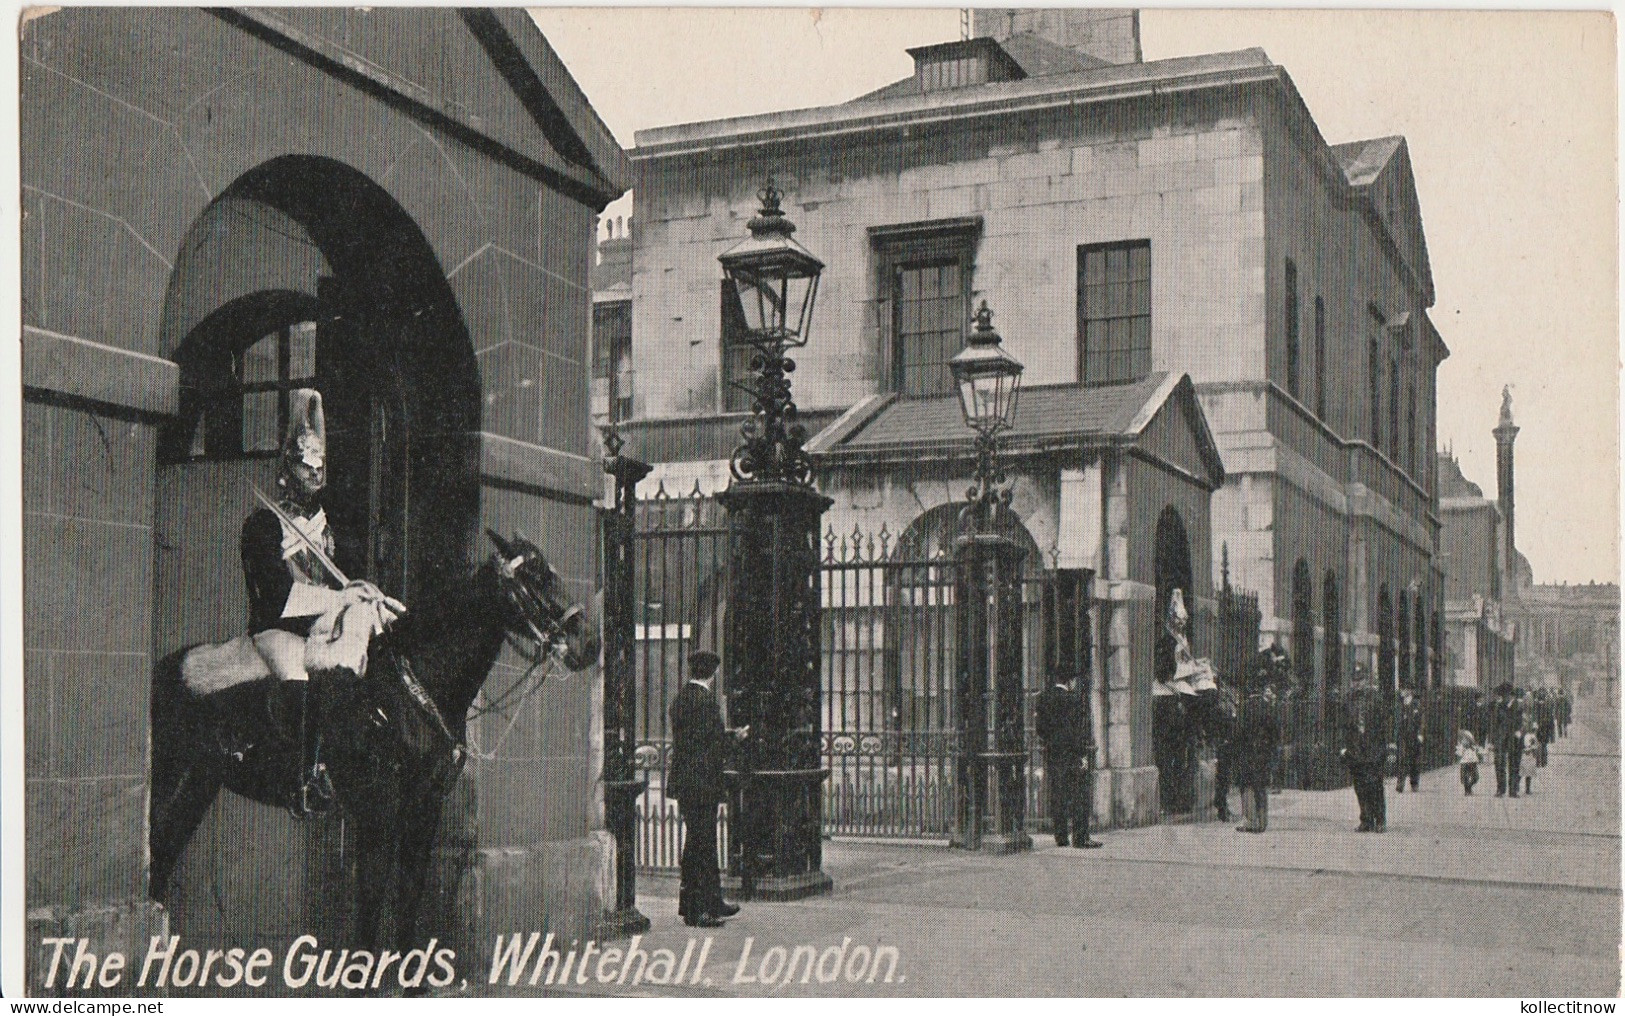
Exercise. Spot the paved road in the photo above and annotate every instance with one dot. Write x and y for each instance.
(1462, 896)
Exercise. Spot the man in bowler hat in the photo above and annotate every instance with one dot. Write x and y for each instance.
(1506, 737)
(1063, 726)
(1367, 751)
(699, 751)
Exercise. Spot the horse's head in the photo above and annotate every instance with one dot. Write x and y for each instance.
(537, 606)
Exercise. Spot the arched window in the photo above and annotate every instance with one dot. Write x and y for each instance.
(1385, 641)
(1331, 619)
(237, 368)
(1303, 625)
(1423, 677)
(1402, 640)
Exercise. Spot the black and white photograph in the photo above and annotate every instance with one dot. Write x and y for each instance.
(694, 503)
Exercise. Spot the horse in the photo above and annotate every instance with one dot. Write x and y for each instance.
(393, 741)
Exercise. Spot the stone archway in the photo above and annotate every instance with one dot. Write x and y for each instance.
(1303, 627)
(1386, 676)
(304, 273)
(1331, 613)
(1173, 724)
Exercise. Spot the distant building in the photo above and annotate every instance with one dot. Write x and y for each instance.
(1126, 220)
(1479, 605)
(1568, 637)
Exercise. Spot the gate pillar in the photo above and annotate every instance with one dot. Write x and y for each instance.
(772, 659)
(990, 792)
(621, 784)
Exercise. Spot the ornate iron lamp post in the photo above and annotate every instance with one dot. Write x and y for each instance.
(771, 641)
(991, 788)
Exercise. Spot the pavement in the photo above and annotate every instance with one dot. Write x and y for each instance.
(1462, 896)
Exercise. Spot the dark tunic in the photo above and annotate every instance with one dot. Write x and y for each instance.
(1258, 734)
(1061, 725)
(1367, 749)
(699, 747)
(270, 576)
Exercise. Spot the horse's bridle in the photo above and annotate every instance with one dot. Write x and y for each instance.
(528, 603)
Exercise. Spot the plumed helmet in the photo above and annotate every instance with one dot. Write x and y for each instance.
(306, 440)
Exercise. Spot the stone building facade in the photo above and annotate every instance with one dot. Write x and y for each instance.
(397, 207)
(1480, 605)
(1122, 218)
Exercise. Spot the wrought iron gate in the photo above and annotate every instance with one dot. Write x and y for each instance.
(890, 738)
(679, 563)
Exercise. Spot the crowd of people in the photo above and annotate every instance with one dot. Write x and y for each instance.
(1517, 728)
(1377, 735)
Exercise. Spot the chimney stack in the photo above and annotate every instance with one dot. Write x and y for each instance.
(1111, 34)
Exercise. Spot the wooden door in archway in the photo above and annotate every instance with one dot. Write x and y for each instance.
(366, 494)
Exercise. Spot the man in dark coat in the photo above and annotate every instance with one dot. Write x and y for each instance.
(699, 751)
(1366, 750)
(1258, 735)
(1506, 739)
(1063, 727)
(1408, 736)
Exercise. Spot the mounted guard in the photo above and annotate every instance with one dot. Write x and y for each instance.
(304, 616)
(396, 740)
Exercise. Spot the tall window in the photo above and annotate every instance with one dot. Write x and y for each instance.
(1332, 622)
(925, 286)
(931, 307)
(1114, 311)
(1320, 358)
(1411, 451)
(1393, 411)
(736, 352)
(1303, 625)
(1292, 328)
(612, 361)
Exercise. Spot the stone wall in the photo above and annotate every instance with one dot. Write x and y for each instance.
(1189, 180)
(134, 123)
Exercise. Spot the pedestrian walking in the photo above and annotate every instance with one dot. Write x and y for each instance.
(1408, 736)
(1468, 755)
(1505, 724)
(1531, 760)
(1063, 727)
(1545, 723)
(1367, 751)
(1259, 735)
(699, 750)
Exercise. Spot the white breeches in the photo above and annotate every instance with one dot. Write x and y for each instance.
(284, 653)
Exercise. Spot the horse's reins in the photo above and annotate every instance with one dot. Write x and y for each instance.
(525, 604)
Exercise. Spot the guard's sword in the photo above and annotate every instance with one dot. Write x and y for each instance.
(310, 544)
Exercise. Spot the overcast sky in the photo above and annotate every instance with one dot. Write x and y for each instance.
(1510, 118)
